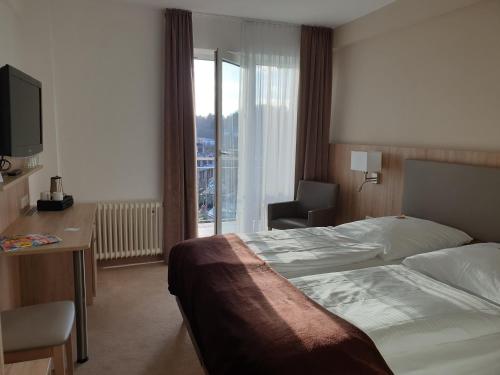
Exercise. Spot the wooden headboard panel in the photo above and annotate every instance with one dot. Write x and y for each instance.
(386, 198)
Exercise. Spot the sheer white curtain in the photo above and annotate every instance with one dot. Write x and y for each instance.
(268, 120)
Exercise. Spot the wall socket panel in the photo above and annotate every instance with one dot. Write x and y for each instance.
(25, 201)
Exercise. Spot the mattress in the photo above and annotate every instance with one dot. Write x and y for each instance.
(419, 325)
(309, 251)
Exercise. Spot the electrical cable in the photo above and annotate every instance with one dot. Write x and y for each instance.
(4, 164)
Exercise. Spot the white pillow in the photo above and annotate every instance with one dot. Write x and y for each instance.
(403, 237)
(473, 268)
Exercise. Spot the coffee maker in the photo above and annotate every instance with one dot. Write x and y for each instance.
(56, 199)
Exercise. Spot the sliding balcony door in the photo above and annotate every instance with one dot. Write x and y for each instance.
(227, 99)
(206, 134)
(217, 78)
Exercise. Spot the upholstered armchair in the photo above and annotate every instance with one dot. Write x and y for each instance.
(314, 207)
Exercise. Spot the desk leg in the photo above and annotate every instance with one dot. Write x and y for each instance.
(80, 306)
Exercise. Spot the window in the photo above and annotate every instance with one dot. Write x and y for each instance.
(217, 148)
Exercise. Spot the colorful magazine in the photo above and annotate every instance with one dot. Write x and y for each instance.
(27, 240)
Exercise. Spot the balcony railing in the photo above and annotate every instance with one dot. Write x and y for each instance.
(207, 188)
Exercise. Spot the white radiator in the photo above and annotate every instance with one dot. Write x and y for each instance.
(129, 229)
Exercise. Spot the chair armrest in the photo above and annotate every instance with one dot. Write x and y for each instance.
(322, 217)
(282, 209)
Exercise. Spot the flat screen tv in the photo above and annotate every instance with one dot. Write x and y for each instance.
(20, 113)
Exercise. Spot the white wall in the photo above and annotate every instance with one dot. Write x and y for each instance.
(421, 73)
(25, 43)
(37, 60)
(101, 65)
(212, 32)
(109, 81)
(9, 33)
(109, 85)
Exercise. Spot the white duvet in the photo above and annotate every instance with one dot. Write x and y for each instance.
(308, 251)
(419, 325)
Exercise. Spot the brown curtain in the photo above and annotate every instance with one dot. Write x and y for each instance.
(315, 96)
(179, 195)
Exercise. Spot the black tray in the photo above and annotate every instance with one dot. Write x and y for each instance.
(55, 205)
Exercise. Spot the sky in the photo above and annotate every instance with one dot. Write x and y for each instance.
(204, 86)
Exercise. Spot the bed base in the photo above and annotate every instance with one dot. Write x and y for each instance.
(190, 332)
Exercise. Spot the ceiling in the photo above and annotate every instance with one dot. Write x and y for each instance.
(312, 12)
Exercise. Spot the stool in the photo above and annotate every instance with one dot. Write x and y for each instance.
(40, 331)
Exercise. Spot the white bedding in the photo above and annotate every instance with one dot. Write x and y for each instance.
(419, 325)
(308, 251)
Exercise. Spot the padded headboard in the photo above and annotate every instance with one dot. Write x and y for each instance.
(462, 196)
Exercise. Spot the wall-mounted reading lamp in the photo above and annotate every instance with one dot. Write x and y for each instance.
(368, 162)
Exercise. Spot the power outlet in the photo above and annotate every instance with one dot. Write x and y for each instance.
(25, 201)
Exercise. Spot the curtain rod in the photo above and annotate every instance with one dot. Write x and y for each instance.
(246, 19)
(262, 20)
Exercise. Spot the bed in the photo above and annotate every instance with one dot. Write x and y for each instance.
(419, 325)
(360, 244)
(244, 317)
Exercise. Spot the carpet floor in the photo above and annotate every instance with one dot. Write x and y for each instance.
(135, 327)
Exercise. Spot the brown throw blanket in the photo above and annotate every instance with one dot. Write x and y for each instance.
(247, 319)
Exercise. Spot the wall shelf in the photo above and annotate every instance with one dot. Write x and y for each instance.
(8, 181)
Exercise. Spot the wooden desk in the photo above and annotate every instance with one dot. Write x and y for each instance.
(74, 226)
(38, 367)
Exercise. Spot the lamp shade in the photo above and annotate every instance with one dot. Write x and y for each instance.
(366, 161)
